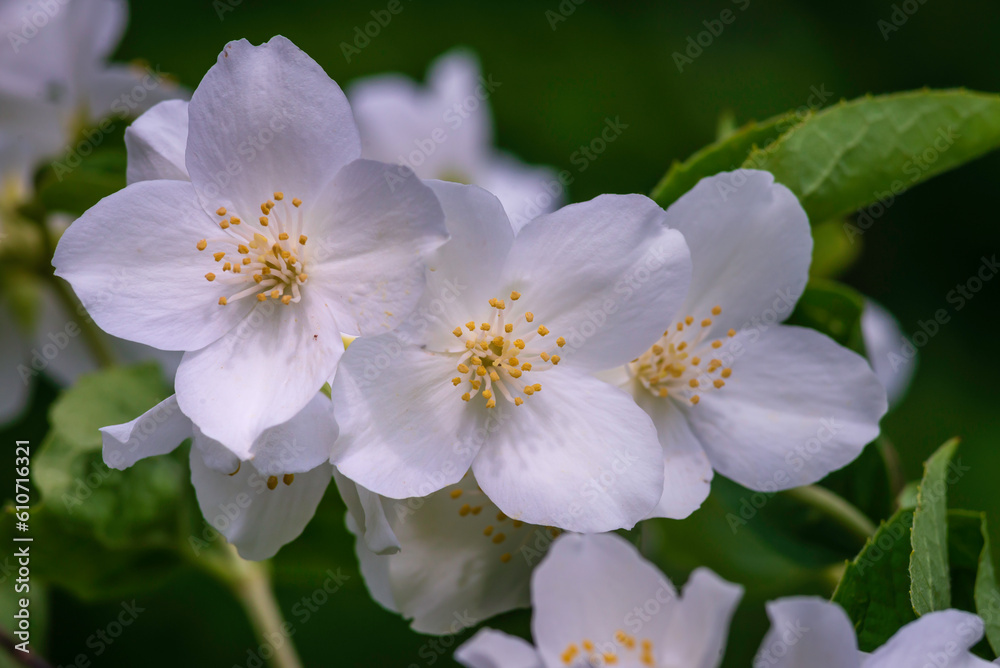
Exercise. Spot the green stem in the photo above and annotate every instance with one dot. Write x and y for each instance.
(251, 584)
(836, 508)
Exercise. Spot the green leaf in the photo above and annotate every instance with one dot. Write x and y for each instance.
(833, 309)
(931, 588)
(874, 148)
(104, 398)
(63, 555)
(974, 585)
(875, 587)
(723, 155)
(78, 183)
(119, 509)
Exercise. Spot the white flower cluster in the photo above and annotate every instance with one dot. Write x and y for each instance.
(475, 387)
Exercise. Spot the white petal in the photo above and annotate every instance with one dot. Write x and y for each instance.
(808, 631)
(156, 432)
(592, 587)
(156, 142)
(605, 274)
(797, 407)
(299, 445)
(750, 246)
(368, 513)
(884, 344)
(370, 231)
(941, 638)
(700, 624)
(459, 565)
(262, 373)
(687, 472)
(374, 569)
(404, 430)
(258, 521)
(495, 649)
(215, 455)
(464, 273)
(133, 262)
(270, 114)
(578, 455)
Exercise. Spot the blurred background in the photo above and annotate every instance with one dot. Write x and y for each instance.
(559, 84)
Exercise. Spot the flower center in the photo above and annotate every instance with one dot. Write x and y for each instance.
(497, 528)
(683, 362)
(623, 650)
(500, 351)
(265, 262)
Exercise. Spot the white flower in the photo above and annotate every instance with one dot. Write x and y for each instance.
(281, 240)
(494, 368)
(259, 503)
(597, 602)
(730, 388)
(54, 77)
(886, 346)
(444, 130)
(452, 551)
(809, 632)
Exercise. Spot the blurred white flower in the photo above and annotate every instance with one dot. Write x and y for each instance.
(597, 602)
(55, 79)
(885, 347)
(444, 130)
(809, 632)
